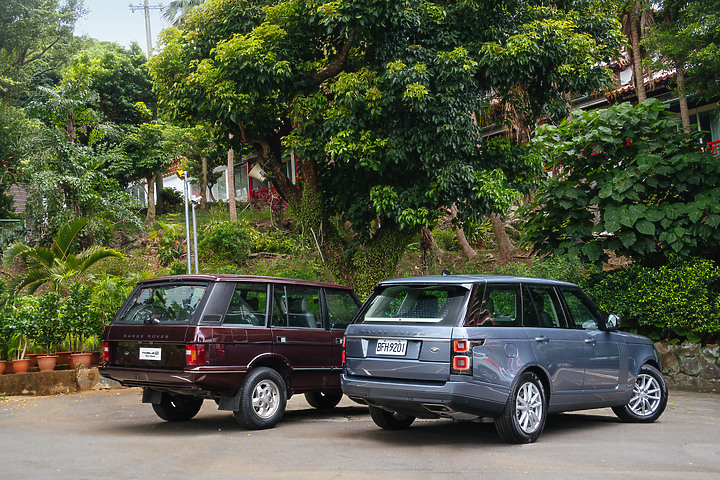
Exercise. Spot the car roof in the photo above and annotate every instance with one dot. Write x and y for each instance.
(240, 278)
(467, 279)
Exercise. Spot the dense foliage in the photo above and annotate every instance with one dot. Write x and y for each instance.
(376, 99)
(677, 300)
(626, 181)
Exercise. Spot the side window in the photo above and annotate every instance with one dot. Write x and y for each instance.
(247, 305)
(583, 315)
(296, 306)
(541, 307)
(342, 307)
(498, 307)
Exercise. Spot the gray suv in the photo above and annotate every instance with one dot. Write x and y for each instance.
(508, 348)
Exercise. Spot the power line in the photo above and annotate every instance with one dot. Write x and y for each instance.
(146, 8)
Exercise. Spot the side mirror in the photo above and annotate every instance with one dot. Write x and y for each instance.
(612, 323)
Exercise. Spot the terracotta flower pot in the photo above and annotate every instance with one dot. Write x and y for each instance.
(96, 357)
(33, 359)
(63, 358)
(2, 367)
(80, 359)
(46, 363)
(9, 367)
(21, 366)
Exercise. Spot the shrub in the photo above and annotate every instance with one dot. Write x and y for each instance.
(229, 240)
(678, 300)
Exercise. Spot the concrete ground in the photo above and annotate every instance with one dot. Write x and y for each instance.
(110, 434)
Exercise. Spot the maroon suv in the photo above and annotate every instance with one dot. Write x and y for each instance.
(246, 342)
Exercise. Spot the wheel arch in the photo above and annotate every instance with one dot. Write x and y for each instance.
(542, 375)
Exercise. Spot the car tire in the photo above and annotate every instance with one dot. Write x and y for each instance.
(525, 413)
(323, 400)
(649, 398)
(177, 408)
(390, 420)
(263, 398)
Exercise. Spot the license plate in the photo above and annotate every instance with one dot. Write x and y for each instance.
(150, 353)
(391, 347)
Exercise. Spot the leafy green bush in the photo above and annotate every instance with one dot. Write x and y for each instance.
(678, 300)
(229, 240)
(565, 268)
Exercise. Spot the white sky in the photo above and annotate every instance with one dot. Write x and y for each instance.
(114, 21)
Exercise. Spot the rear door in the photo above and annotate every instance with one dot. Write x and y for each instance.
(155, 324)
(299, 336)
(405, 333)
(341, 307)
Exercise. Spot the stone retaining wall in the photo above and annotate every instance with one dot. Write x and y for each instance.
(690, 366)
(54, 382)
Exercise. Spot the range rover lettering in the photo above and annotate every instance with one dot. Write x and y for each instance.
(246, 342)
(507, 348)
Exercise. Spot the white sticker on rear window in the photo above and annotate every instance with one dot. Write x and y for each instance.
(150, 354)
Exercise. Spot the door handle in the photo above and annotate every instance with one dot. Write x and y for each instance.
(590, 341)
(542, 339)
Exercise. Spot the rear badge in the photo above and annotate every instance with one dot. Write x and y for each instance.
(434, 349)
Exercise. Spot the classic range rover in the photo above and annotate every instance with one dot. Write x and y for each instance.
(507, 348)
(246, 342)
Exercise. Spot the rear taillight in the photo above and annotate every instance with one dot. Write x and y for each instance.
(195, 355)
(106, 351)
(462, 356)
(343, 352)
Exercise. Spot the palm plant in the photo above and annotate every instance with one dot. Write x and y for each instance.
(177, 11)
(55, 264)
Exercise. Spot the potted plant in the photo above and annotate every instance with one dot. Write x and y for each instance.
(80, 321)
(49, 330)
(21, 328)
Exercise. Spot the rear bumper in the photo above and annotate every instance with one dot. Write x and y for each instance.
(192, 382)
(459, 397)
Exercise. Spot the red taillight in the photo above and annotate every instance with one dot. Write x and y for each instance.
(461, 345)
(343, 352)
(461, 362)
(461, 357)
(195, 355)
(106, 352)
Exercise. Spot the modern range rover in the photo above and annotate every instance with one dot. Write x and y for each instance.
(248, 343)
(507, 348)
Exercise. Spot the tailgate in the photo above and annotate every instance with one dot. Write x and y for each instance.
(408, 353)
(148, 347)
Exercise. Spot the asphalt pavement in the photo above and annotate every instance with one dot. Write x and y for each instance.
(111, 434)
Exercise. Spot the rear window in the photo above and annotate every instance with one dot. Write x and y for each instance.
(154, 305)
(415, 304)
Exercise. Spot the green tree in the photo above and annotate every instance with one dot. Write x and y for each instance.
(628, 183)
(56, 264)
(118, 76)
(376, 100)
(148, 149)
(36, 38)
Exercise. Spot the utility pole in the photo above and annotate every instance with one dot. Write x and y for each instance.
(146, 8)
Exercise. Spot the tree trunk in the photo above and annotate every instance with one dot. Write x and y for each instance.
(428, 240)
(637, 56)
(231, 184)
(682, 98)
(150, 217)
(467, 250)
(203, 184)
(504, 246)
(160, 202)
